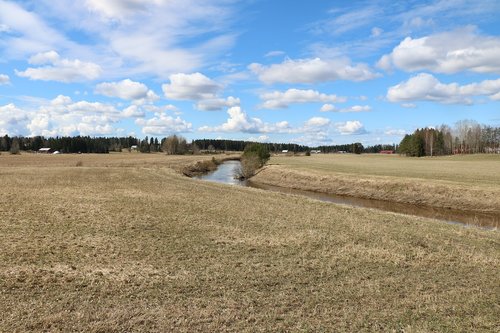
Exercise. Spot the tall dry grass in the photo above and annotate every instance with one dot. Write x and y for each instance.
(127, 244)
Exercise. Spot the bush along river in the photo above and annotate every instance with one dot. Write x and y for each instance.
(227, 173)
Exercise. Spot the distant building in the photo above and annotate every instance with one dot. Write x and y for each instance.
(285, 151)
(134, 147)
(315, 151)
(387, 152)
(44, 150)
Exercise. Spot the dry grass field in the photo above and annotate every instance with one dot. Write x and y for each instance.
(125, 243)
(469, 183)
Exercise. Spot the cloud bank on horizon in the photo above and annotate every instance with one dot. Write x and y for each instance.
(364, 71)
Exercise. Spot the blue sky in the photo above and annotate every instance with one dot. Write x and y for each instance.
(315, 72)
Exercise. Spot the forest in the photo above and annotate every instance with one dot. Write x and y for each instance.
(466, 137)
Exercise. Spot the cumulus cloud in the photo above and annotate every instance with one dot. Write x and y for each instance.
(4, 79)
(351, 127)
(354, 108)
(63, 116)
(312, 71)
(12, 119)
(425, 87)
(194, 86)
(126, 89)
(162, 124)
(57, 69)
(239, 121)
(133, 111)
(216, 104)
(449, 52)
(281, 100)
(317, 122)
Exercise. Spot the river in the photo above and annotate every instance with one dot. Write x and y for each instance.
(226, 172)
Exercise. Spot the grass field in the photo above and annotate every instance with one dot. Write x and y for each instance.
(460, 182)
(125, 243)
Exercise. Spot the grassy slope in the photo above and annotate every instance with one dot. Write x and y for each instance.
(124, 244)
(460, 182)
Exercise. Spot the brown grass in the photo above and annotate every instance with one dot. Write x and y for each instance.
(464, 183)
(125, 243)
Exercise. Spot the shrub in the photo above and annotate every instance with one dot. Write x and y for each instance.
(254, 157)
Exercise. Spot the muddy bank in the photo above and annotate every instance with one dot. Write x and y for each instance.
(411, 191)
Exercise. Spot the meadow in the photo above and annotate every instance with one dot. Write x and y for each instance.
(463, 182)
(126, 243)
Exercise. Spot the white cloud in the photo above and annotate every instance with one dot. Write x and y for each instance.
(395, 132)
(133, 111)
(63, 116)
(260, 138)
(239, 121)
(351, 127)
(4, 28)
(63, 70)
(194, 86)
(216, 104)
(409, 105)
(274, 54)
(317, 122)
(354, 108)
(162, 124)
(4, 79)
(280, 100)
(12, 120)
(312, 71)
(376, 31)
(118, 9)
(425, 87)
(127, 89)
(449, 52)
(27, 33)
(126, 37)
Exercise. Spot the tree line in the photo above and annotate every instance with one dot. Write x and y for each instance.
(67, 144)
(466, 137)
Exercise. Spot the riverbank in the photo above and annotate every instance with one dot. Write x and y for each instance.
(206, 165)
(126, 243)
(369, 177)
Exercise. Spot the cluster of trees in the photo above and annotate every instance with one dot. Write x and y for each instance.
(66, 144)
(239, 145)
(356, 148)
(378, 148)
(254, 157)
(466, 137)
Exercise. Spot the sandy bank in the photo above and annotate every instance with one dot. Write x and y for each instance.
(396, 189)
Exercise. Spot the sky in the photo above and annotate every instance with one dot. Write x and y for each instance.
(309, 72)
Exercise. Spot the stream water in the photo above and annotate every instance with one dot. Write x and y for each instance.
(225, 173)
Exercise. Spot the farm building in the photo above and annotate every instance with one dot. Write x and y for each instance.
(387, 152)
(44, 150)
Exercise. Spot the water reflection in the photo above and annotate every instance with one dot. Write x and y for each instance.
(226, 172)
